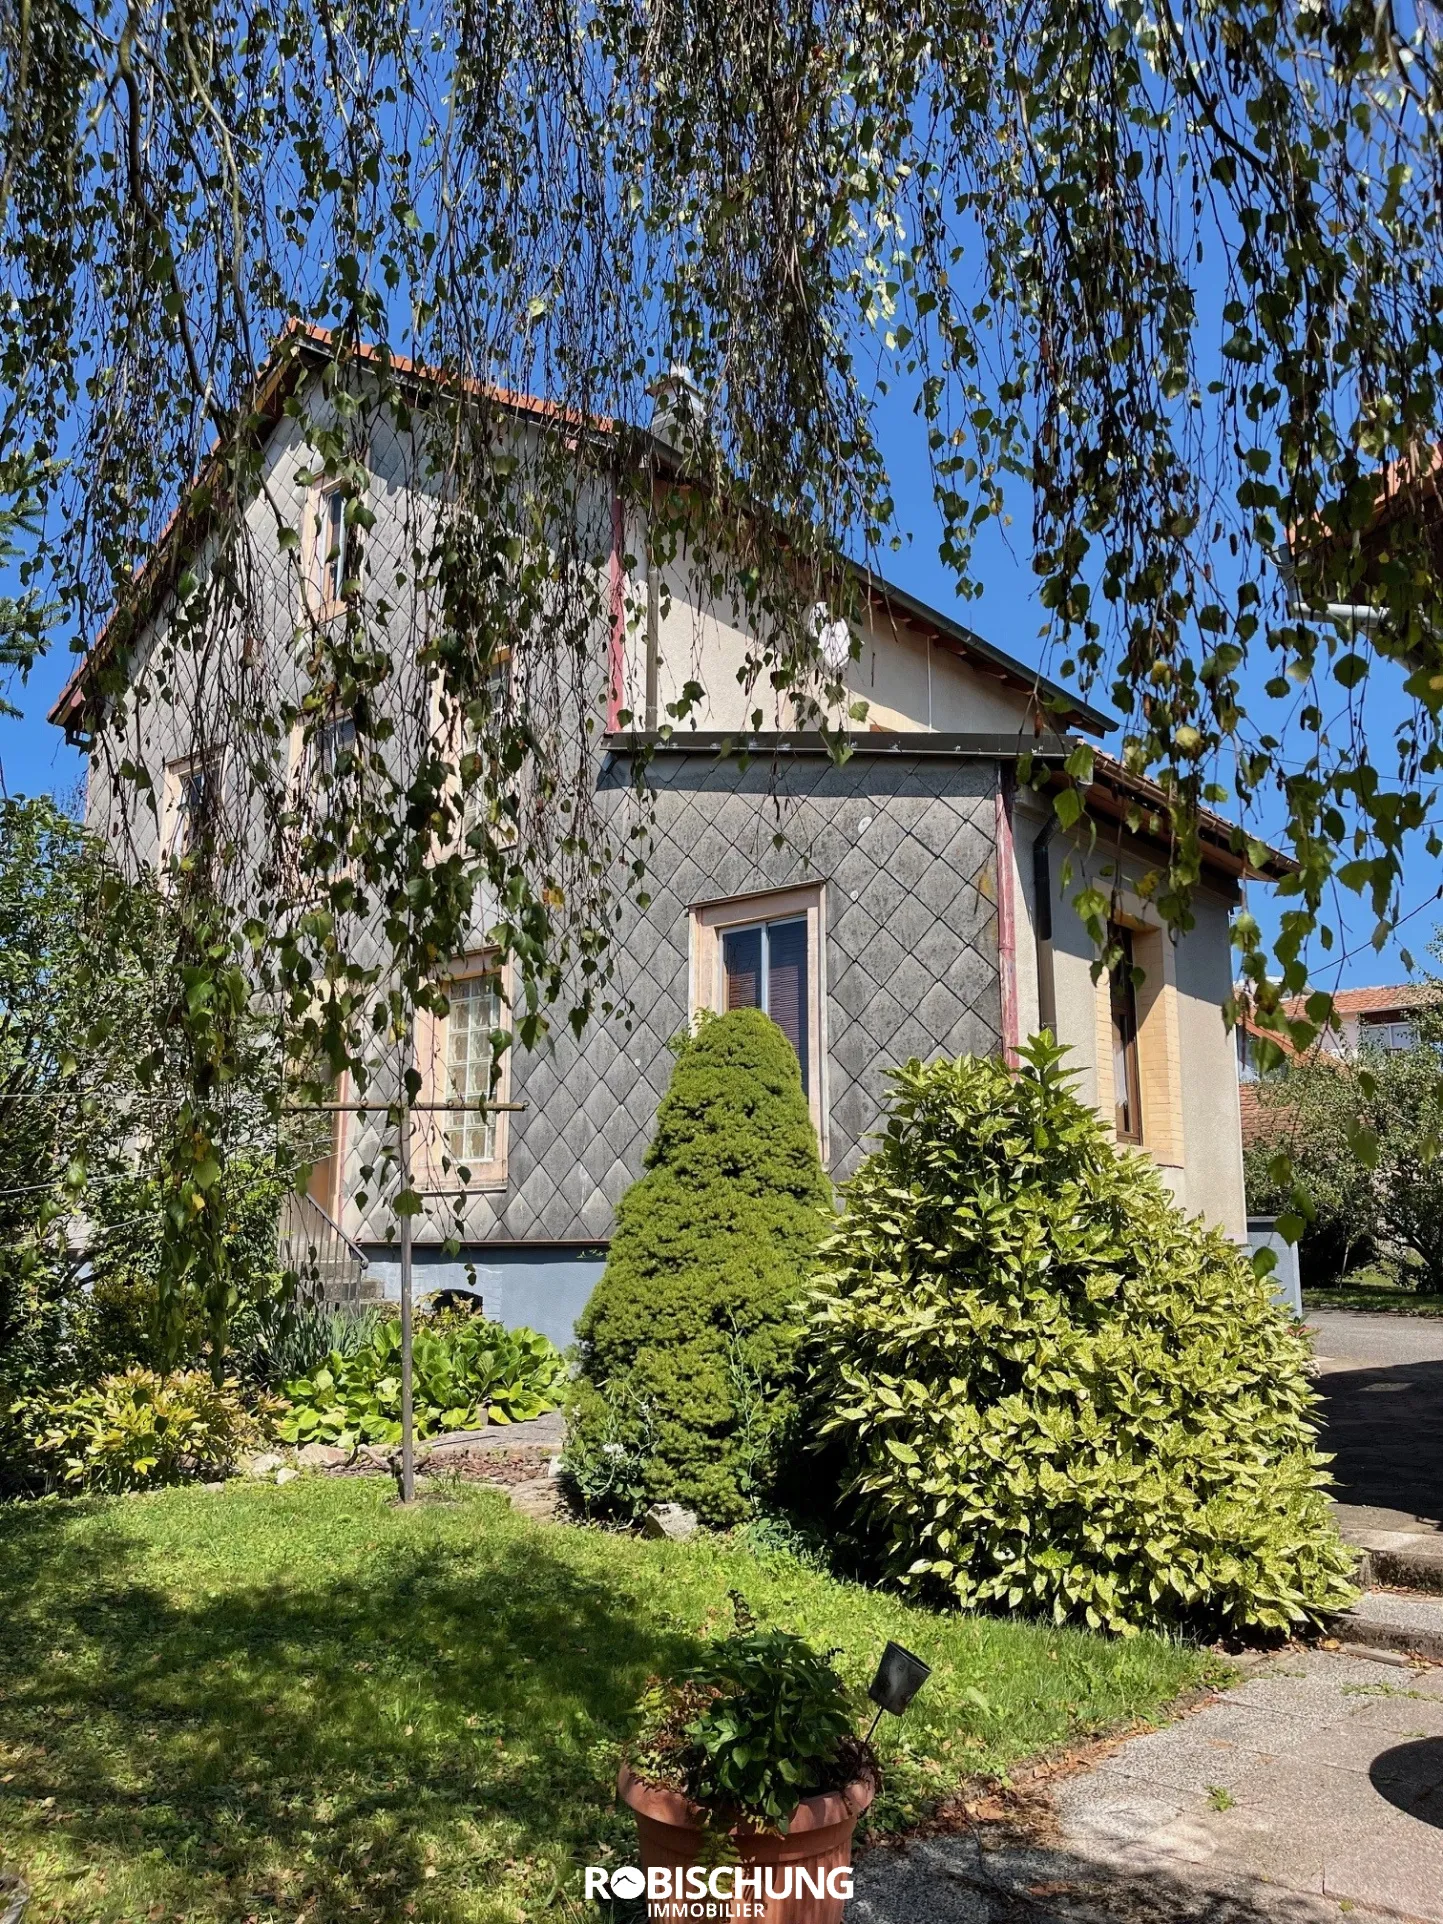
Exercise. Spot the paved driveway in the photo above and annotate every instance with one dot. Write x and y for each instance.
(1345, 1338)
(1381, 1379)
(1313, 1791)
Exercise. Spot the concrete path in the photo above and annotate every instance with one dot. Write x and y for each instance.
(1381, 1379)
(1311, 1791)
(1344, 1338)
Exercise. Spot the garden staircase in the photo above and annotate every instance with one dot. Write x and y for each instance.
(331, 1268)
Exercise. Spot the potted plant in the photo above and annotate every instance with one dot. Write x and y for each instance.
(747, 1780)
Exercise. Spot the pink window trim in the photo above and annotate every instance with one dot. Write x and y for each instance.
(616, 662)
(1006, 919)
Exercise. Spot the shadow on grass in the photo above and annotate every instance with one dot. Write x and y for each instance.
(382, 1744)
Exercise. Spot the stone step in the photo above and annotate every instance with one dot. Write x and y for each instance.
(1390, 1620)
(1410, 1566)
(1394, 1547)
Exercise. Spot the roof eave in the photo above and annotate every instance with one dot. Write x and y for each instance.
(1113, 787)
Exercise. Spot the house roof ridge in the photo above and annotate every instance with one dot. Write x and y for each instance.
(294, 348)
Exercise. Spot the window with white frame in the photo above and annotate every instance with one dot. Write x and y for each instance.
(767, 951)
(475, 1000)
(189, 786)
(1387, 1035)
(335, 554)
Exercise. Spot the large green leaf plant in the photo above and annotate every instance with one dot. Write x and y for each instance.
(463, 1376)
(1053, 1391)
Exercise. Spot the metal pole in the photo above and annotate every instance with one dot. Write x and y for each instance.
(408, 1441)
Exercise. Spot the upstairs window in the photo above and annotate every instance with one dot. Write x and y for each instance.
(331, 741)
(1126, 1076)
(1387, 1035)
(189, 789)
(335, 553)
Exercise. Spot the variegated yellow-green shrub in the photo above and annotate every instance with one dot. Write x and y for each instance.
(1053, 1391)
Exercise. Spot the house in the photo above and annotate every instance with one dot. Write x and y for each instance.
(1382, 1018)
(913, 899)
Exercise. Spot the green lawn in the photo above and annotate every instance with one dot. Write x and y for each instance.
(275, 1704)
(1372, 1289)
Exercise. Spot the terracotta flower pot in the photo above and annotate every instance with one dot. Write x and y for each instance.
(802, 1878)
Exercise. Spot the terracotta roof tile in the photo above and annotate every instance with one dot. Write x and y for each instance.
(1380, 1001)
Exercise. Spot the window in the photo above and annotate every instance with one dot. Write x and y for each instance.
(331, 741)
(335, 551)
(768, 951)
(471, 1139)
(1126, 1079)
(1248, 1045)
(498, 681)
(1247, 1053)
(1387, 1035)
(188, 789)
(765, 967)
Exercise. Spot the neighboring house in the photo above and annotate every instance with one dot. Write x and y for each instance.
(914, 902)
(1383, 1018)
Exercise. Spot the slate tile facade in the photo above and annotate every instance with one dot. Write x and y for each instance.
(906, 847)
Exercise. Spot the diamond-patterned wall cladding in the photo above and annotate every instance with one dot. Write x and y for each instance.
(906, 848)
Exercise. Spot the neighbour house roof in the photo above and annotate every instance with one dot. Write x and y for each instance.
(1366, 1002)
(1262, 1120)
(1404, 488)
(1391, 999)
(1250, 1113)
(303, 348)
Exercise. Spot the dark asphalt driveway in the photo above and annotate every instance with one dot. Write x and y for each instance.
(1381, 1379)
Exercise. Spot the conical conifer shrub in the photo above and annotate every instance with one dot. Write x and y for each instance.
(688, 1341)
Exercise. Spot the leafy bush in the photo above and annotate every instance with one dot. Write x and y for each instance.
(136, 1430)
(280, 1338)
(695, 1318)
(1050, 1389)
(763, 1721)
(1302, 1166)
(458, 1373)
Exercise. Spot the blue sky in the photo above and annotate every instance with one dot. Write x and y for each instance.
(34, 757)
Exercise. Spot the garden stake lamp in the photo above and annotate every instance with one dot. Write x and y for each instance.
(899, 1677)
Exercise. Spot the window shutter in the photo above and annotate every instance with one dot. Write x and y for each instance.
(787, 984)
(742, 968)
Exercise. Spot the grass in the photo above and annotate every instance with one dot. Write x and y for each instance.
(306, 1704)
(1372, 1289)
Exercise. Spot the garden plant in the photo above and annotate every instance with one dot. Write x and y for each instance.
(688, 1339)
(137, 1430)
(466, 1371)
(761, 1721)
(1048, 1389)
